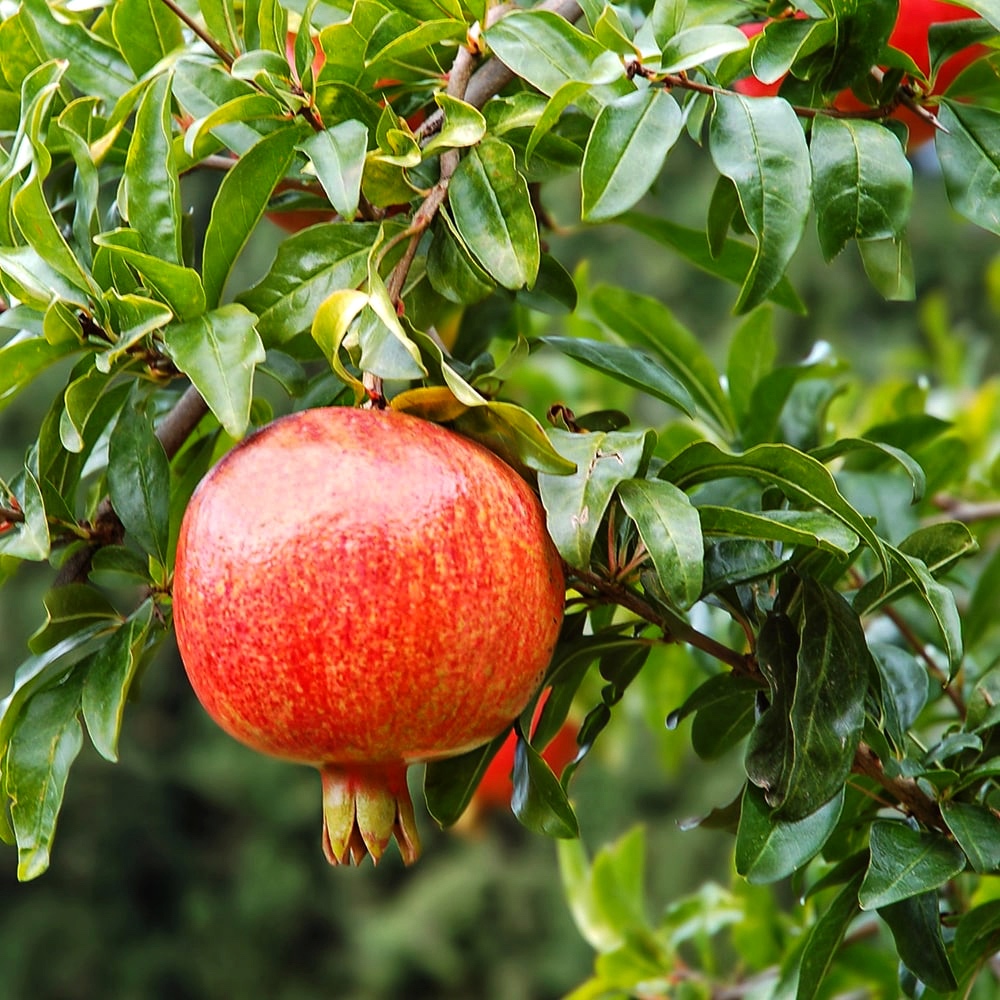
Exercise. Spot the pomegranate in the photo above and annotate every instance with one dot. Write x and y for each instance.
(359, 590)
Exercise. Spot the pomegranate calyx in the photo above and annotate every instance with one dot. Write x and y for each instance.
(363, 809)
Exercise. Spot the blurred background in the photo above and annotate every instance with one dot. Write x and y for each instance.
(193, 869)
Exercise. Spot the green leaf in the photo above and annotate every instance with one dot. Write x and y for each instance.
(647, 322)
(450, 268)
(628, 365)
(450, 784)
(515, 435)
(732, 262)
(150, 192)
(827, 709)
(109, 678)
(977, 830)
(845, 446)
(791, 527)
(69, 609)
(219, 353)
(606, 897)
(575, 504)
(758, 144)
(801, 478)
(626, 151)
(978, 934)
(94, 66)
(671, 531)
(22, 360)
(539, 800)
(492, 211)
(699, 45)
(337, 155)
(239, 204)
(309, 267)
(30, 538)
(802, 748)
(42, 749)
(463, 125)
(139, 482)
(825, 937)
(915, 923)
(39, 229)
(769, 849)
(862, 182)
(146, 31)
(546, 50)
(969, 153)
(906, 863)
(180, 287)
(889, 266)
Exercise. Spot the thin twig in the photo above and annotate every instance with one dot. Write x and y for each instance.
(225, 56)
(904, 790)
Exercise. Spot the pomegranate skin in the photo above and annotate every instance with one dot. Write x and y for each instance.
(359, 590)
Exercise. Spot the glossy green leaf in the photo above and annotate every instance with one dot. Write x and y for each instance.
(239, 205)
(150, 195)
(547, 51)
(969, 153)
(450, 784)
(671, 531)
(69, 609)
(21, 360)
(575, 504)
(906, 863)
(626, 151)
(30, 538)
(109, 678)
(824, 941)
(180, 287)
(96, 67)
(827, 709)
(802, 749)
(720, 725)
(938, 546)
(801, 478)
(769, 848)
(202, 89)
(451, 269)
(146, 31)
(862, 182)
(628, 365)
(977, 831)
(337, 155)
(904, 688)
(915, 923)
(758, 144)
(811, 529)
(39, 229)
(539, 800)
(80, 399)
(889, 266)
(977, 934)
(492, 211)
(846, 446)
(219, 353)
(515, 435)
(700, 44)
(646, 322)
(309, 266)
(139, 482)
(463, 125)
(131, 318)
(731, 263)
(41, 751)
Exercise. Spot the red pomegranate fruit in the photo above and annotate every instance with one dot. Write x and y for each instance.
(359, 590)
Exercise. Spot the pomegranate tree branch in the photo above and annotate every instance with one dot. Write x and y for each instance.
(178, 11)
(905, 791)
(674, 628)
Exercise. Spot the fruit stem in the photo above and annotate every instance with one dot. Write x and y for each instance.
(364, 807)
